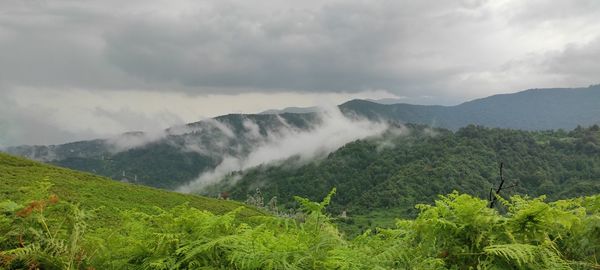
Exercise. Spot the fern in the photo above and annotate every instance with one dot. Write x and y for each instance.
(528, 256)
(457, 232)
(50, 232)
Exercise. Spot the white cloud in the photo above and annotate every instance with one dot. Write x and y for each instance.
(334, 131)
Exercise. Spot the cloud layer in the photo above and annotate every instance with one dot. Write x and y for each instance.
(448, 51)
(406, 47)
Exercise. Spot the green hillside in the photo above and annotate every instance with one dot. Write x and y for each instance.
(91, 191)
(53, 218)
(399, 171)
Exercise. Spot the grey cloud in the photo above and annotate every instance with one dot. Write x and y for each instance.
(577, 63)
(410, 47)
(544, 11)
(342, 46)
(41, 124)
(227, 47)
(45, 46)
(334, 48)
(131, 120)
(32, 125)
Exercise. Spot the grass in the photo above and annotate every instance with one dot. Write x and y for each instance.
(90, 191)
(381, 218)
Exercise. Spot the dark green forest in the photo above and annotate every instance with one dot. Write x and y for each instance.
(412, 165)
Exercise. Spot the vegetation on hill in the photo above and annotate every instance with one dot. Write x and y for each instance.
(398, 171)
(41, 231)
(95, 192)
(54, 218)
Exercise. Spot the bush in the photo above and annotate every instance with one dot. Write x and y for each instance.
(457, 232)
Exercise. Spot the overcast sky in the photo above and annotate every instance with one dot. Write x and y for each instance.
(75, 69)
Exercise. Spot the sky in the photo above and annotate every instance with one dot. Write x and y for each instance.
(77, 69)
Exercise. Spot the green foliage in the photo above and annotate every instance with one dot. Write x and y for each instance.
(41, 229)
(457, 232)
(95, 192)
(392, 173)
(525, 256)
(45, 233)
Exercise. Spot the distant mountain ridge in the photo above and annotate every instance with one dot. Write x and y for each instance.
(183, 152)
(292, 110)
(534, 109)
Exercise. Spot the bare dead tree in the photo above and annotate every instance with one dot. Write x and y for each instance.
(494, 195)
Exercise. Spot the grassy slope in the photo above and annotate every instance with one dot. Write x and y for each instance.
(92, 191)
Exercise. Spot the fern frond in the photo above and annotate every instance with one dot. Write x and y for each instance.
(539, 257)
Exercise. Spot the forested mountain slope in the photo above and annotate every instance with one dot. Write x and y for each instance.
(409, 166)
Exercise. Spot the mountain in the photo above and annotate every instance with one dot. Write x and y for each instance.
(96, 192)
(292, 110)
(387, 101)
(172, 158)
(535, 109)
(180, 154)
(407, 166)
